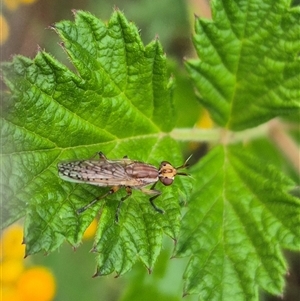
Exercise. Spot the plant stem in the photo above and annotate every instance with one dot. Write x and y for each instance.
(219, 134)
(274, 130)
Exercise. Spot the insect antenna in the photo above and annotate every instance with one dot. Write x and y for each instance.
(184, 165)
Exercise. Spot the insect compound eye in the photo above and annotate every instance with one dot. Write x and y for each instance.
(166, 181)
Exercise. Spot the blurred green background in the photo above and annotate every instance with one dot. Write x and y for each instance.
(27, 24)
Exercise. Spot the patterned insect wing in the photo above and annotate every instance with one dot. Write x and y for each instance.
(95, 172)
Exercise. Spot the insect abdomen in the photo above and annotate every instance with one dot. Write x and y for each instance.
(143, 173)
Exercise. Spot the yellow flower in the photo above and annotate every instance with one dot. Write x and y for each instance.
(14, 4)
(9, 293)
(11, 270)
(11, 242)
(4, 30)
(36, 284)
(11, 4)
(204, 121)
(91, 229)
(27, 1)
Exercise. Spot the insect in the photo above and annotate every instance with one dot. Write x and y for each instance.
(123, 173)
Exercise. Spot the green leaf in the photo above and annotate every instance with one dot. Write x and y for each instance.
(239, 216)
(116, 101)
(248, 71)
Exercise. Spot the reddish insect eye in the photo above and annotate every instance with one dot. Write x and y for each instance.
(166, 181)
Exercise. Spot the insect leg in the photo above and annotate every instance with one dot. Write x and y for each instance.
(111, 191)
(100, 154)
(155, 193)
(153, 205)
(129, 192)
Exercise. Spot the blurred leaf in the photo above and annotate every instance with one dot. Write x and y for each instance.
(148, 293)
(165, 282)
(168, 19)
(268, 152)
(118, 101)
(238, 218)
(187, 107)
(248, 71)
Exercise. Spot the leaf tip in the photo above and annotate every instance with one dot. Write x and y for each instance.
(116, 8)
(39, 48)
(97, 273)
(52, 26)
(74, 11)
(174, 253)
(93, 250)
(74, 248)
(149, 271)
(62, 45)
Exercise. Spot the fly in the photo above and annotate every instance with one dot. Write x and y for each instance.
(124, 173)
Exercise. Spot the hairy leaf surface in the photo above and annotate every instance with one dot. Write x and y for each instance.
(248, 67)
(116, 101)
